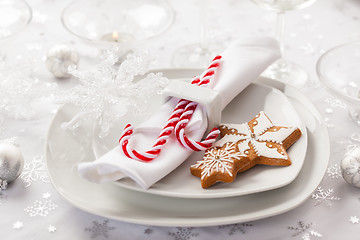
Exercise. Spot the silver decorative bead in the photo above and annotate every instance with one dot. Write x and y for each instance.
(59, 58)
(11, 162)
(350, 167)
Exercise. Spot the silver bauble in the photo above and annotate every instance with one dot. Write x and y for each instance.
(59, 58)
(11, 162)
(350, 167)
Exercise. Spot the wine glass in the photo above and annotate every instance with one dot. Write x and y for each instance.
(15, 15)
(112, 23)
(338, 71)
(283, 69)
(197, 54)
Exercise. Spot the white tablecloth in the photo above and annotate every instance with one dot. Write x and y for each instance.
(32, 209)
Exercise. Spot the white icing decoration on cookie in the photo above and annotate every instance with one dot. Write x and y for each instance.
(258, 138)
(219, 160)
(228, 138)
(278, 136)
(263, 150)
(244, 147)
(241, 128)
(263, 123)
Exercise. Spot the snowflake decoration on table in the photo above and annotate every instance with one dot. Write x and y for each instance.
(334, 171)
(324, 196)
(354, 219)
(148, 231)
(335, 103)
(18, 225)
(328, 123)
(329, 110)
(107, 91)
(305, 230)
(234, 228)
(46, 195)
(20, 90)
(3, 198)
(35, 171)
(183, 233)
(40, 208)
(51, 228)
(99, 229)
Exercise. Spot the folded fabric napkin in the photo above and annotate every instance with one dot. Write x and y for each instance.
(242, 62)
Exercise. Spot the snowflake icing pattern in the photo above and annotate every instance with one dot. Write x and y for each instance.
(100, 229)
(324, 196)
(35, 171)
(218, 160)
(305, 230)
(183, 233)
(40, 208)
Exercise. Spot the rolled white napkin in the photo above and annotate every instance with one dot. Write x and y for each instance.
(243, 61)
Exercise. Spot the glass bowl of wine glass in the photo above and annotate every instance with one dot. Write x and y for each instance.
(283, 69)
(117, 23)
(338, 70)
(284, 5)
(15, 15)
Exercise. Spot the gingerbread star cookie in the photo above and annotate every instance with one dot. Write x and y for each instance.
(217, 165)
(243, 146)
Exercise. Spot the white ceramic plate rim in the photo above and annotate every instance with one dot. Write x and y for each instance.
(153, 210)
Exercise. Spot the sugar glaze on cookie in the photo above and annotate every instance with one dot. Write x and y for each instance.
(258, 141)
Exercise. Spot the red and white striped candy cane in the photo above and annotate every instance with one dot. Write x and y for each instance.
(171, 123)
(188, 112)
(161, 139)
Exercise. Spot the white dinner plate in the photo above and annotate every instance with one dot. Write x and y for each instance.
(110, 201)
(180, 182)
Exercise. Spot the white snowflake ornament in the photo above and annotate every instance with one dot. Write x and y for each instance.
(107, 91)
(350, 167)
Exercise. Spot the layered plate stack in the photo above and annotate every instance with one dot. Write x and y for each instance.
(178, 199)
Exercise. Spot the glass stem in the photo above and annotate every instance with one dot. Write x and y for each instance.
(280, 26)
(203, 22)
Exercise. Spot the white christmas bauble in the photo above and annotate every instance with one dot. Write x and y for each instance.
(59, 58)
(11, 162)
(350, 167)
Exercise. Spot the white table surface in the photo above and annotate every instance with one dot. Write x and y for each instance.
(309, 32)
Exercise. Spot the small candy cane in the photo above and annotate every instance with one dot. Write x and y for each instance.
(171, 123)
(184, 140)
(188, 112)
(161, 139)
